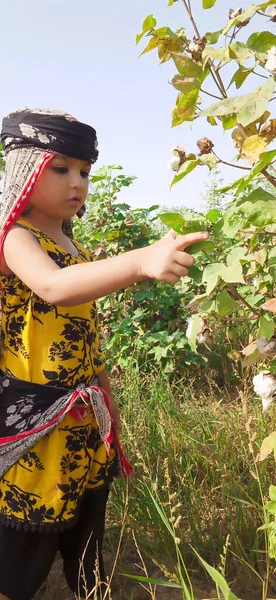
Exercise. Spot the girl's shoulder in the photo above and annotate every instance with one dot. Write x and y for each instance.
(48, 244)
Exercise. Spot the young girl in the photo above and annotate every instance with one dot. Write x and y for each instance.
(59, 448)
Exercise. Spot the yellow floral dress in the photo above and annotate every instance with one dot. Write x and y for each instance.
(56, 346)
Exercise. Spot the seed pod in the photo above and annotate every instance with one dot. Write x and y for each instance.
(205, 146)
(234, 12)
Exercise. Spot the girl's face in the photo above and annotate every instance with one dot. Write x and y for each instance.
(62, 188)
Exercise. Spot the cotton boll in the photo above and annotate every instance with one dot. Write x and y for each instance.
(234, 12)
(174, 163)
(270, 64)
(264, 384)
(189, 328)
(193, 47)
(202, 338)
(266, 402)
(271, 11)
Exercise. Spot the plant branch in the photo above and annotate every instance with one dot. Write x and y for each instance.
(236, 293)
(189, 11)
(212, 95)
(271, 233)
(217, 79)
(269, 177)
(224, 162)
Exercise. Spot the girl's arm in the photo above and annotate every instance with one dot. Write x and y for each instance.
(80, 283)
(115, 413)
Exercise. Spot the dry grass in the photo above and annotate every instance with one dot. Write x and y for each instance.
(196, 454)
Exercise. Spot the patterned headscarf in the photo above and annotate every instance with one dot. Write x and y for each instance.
(30, 139)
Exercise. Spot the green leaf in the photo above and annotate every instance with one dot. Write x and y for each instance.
(184, 170)
(233, 273)
(241, 18)
(221, 54)
(213, 215)
(266, 326)
(212, 36)
(215, 272)
(206, 247)
(208, 159)
(208, 3)
(268, 445)
(148, 24)
(185, 107)
(173, 220)
(185, 84)
(240, 76)
(240, 52)
(153, 581)
(236, 254)
(196, 329)
(187, 67)
(259, 208)
(164, 32)
(271, 507)
(253, 147)
(225, 304)
(232, 222)
(272, 492)
(153, 43)
(265, 159)
(212, 121)
(264, 6)
(248, 107)
(195, 274)
(218, 579)
(229, 121)
(261, 42)
(212, 276)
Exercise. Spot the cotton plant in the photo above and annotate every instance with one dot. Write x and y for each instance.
(265, 386)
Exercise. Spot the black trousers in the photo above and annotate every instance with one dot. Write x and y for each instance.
(26, 557)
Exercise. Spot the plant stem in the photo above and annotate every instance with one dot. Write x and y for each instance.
(212, 95)
(236, 293)
(224, 162)
(269, 177)
(189, 11)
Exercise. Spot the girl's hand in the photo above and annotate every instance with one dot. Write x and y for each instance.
(165, 260)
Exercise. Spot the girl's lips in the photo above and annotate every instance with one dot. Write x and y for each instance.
(74, 200)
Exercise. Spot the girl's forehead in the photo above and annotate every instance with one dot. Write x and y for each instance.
(71, 159)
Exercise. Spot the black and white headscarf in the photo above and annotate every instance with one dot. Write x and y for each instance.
(30, 139)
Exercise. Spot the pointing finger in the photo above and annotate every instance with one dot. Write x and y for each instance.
(184, 241)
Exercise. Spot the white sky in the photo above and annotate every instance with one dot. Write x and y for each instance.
(81, 57)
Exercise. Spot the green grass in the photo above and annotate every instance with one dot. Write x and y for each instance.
(194, 453)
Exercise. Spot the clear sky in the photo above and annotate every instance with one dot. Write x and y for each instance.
(81, 57)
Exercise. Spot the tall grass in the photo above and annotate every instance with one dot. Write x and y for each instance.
(194, 450)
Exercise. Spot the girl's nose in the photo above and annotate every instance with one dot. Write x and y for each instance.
(76, 180)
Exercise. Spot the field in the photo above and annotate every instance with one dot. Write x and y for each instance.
(197, 485)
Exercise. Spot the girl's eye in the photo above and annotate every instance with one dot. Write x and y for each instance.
(60, 169)
(85, 174)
